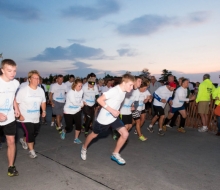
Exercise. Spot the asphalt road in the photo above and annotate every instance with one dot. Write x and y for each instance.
(175, 161)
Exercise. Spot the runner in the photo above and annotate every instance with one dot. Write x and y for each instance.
(70, 82)
(72, 110)
(130, 104)
(161, 96)
(178, 105)
(144, 97)
(90, 94)
(30, 99)
(107, 86)
(9, 110)
(108, 116)
(57, 99)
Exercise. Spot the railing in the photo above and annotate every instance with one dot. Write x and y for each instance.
(193, 119)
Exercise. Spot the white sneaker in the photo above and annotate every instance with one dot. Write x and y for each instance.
(52, 124)
(83, 153)
(117, 158)
(32, 154)
(24, 144)
(203, 129)
(168, 126)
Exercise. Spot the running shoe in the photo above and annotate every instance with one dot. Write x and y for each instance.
(142, 138)
(12, 171)
(116, 135)
(117, 158)
(203, 129)
(77, 141)
(32, 154)
(160, 132)
(83, 153)
(135, 132)
(52, 124)
(164, 128)
(63, 135)
(181, 130)
(24, 144)
(150, 129)
(169, 126)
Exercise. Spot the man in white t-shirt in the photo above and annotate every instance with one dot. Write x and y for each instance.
(162, 96)
(108, 116)
(107, 86)
(57, 99)
(69, 83)
(9, 109)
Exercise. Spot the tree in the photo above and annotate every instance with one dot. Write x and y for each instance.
(145, 73)
(165, 74)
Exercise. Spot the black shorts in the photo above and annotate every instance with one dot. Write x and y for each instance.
(143, 111)
(147, 105)
(99, 128)
(31, 131)
(9, 129)
(126, 119)
(71, 119)
(158, 110)
(136, 115)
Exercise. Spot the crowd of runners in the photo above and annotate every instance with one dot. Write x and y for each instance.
(93, 106)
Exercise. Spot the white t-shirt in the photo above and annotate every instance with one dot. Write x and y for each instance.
(164, 93)
(7, 95)
(105, 89)
(68, 85)
(29, 102)
(142, 97)
(100, 89)
(130, 97)
(114, 98)
(59, 92)
(73, 102)
(89, 94)
(23, 84)
(180, 97)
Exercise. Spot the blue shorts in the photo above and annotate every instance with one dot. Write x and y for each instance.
(98, 127)
(173, 110)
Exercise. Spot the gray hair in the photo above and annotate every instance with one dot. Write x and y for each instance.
(206, 76)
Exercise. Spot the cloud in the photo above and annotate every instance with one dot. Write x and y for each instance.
(72, 52)
(149, 24)
(81, 69)
(76, 41)
(93, 12)
(18, 11)
(126, 52)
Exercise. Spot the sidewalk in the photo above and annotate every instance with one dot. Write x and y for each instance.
(174, 162)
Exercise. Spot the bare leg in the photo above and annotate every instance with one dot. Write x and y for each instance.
(30, 146)
(89, 139)
(121, 141)
(77, 134)
(128, 126)
(138, 127)
(161, 121)
(155, 118)
(11, 149)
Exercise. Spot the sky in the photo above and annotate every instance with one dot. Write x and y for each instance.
(112, 37)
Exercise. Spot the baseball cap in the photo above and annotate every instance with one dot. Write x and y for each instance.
(172, 84)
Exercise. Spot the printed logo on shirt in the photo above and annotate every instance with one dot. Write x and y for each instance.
(6, 106)
(61, 97)
(34, 108)
(108, 114)
(73, 107)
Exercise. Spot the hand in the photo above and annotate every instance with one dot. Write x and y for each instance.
(132, 108)
(21, 118)
(115, 113)
(44, 114)
(52, 104)
(193, 97)
(84, 103)
(171, 102)
(3, 117)
(163, 100)
(17, 113)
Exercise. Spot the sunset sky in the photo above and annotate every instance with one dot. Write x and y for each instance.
(112, 36)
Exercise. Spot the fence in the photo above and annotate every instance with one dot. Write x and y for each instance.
(193, 119)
